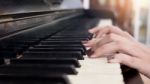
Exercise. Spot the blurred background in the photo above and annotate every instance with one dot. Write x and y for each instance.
(132, 15)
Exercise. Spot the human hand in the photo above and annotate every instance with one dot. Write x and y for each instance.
(121, 48)
(100, 33)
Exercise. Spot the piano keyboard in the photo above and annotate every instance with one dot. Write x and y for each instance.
(58, 59)
(97, 71)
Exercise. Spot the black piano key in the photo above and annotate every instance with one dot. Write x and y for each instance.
(66, 38)
(37, 69)
(7, 54)
(54, 54)
(57, 49)
(60, 45)
(60, 42)
(1, 61)
(33, 79)
(21, 46)
(26, 43)
(70, 35)
(26, 39)
(54, 61)
(17, 48)
(90, 36)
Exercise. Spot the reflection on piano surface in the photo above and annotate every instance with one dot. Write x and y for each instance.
(40, 43)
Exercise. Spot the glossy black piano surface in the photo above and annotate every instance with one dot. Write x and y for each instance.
(40, 45)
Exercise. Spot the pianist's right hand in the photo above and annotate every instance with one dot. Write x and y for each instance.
(121, 48)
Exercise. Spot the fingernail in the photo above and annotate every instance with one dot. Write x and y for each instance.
(84, 42)
(90, 31)
(86, 45)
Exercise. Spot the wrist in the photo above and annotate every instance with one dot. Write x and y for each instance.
(144, 69)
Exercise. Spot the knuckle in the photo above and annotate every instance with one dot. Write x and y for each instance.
(126, 33)
(111, 36)
(117, 56)
(120, 46)
(109, 27)
(102, 48)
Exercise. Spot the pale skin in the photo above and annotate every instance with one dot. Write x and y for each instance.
(121, 47)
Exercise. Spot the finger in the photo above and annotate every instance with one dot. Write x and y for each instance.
(101, 31)
(124, 45)
(94, 30)
(129, 36)
(113, 29)
(105, 50)
(91, 43)
(124, 59)
(108, 30)
(115, 43)
(108, 39)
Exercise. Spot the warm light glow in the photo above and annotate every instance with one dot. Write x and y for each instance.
(141, 3)
(138, 6)
(145, 3)
(136, 22)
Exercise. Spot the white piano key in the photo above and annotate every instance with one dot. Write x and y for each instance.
(96, 79)
(105, 22)
(97, 71)
(99, 65)
(86, 4)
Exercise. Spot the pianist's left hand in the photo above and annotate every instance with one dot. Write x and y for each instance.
(120, 47)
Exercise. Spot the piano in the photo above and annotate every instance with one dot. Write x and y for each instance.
(41, 43)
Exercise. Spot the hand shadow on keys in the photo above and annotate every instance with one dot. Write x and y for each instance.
(131, 76)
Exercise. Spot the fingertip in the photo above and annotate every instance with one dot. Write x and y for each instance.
(87, 45)
(113, 61)
(93, 56)
(90, 31)
(94, 30)
(84, 42)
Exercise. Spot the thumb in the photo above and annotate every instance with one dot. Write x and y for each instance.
(125, 60)
(94, 30)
